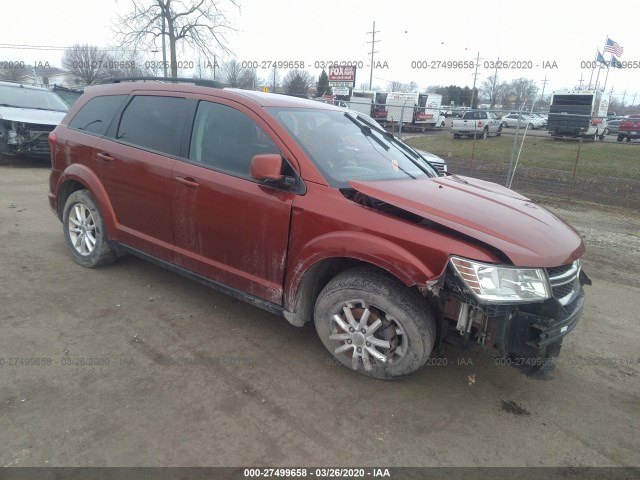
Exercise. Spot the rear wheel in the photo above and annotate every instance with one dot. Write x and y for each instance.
(485, 134)
(374, 324)
(456, 136)
(620, 138)
(84, 231)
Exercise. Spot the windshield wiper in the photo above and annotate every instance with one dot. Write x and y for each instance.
(366, 130)
(403, 146)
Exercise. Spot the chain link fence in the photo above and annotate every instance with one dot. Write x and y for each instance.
(556, 156)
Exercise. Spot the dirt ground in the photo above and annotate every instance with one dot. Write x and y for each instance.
(186, 376)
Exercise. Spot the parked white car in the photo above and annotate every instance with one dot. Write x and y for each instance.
(476, 123)
(532, 121)
(27, 116)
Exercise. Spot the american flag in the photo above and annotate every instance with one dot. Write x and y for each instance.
(613, 47)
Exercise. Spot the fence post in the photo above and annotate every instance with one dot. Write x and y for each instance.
(513, 153)
(575, 168)
(401, 117)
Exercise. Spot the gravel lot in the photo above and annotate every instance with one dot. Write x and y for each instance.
(190, 377)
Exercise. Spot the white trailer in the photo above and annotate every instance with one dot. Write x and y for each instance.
(414, 110)
(370, 102)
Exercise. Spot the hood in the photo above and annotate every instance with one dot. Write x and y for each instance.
(29, 115)
(430, 156)
(528, 234)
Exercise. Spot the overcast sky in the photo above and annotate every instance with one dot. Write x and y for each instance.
(558, 34)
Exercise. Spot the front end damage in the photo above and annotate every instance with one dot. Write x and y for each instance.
(20, 138)
(524, 333)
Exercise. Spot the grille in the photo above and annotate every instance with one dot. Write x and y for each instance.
(439, 168)
(565, 281)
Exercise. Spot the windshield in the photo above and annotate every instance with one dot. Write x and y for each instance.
(31, 98)
(351, 146)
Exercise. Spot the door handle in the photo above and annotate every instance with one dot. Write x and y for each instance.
(104, 156)
(188, 182)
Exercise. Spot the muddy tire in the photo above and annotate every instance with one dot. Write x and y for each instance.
(84, 232)
(373, 324)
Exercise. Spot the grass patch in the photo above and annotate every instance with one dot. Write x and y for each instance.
(596, 158)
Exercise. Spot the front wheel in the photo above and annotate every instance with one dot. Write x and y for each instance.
(373, 324)
(84, 231)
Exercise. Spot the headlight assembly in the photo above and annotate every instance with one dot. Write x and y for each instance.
(502, 284)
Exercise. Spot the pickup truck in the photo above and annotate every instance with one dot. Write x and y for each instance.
(476, 123)
(629, 128)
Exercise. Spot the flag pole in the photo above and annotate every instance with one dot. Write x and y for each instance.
(595, 87)
(607, 75)
(591, 77)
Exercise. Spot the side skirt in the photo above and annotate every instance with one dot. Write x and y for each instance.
(221, 287)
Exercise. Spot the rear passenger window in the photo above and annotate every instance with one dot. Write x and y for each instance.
(154, 123)
(96, 115)
(226, 139)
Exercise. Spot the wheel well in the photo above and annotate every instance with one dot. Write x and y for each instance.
(66, 189)
(315, 279)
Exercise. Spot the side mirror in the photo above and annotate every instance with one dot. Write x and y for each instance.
(267, 168)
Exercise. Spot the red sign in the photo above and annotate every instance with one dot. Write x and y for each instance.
(342, 74)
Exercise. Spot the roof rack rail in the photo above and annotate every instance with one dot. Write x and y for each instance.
(196, 81)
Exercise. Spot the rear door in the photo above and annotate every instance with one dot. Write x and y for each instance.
(228, 227)
(135, 165)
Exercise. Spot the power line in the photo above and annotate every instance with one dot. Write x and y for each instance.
(45, 48)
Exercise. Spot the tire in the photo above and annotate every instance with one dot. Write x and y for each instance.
(531, 126)
(602, 135)
(628, 137)
(620, 138)
(504, 125)
(399, 321)
(84, 232)
(456, 136)
(485, 134)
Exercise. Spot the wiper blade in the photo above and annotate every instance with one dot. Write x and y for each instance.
(366, 130)
(403, 146)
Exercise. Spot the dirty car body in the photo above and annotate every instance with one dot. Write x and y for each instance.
(316, 214)
(27, 116)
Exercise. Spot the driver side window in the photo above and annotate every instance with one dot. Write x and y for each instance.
(226, 139)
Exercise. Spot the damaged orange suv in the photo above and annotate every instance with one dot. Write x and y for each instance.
(314, 213)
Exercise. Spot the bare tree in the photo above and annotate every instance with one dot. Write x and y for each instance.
(126, 64)
(297, 81)
(274, 79)
(522, 89)
(492, 88)
(15, 73)
(200, 24)
(87, 62)
(249, 79)
(396, 86)
(231, 73)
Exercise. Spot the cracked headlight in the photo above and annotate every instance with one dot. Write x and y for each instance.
(500, 284)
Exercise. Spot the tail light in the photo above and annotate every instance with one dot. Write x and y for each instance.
(596, 121)
(53, 139)
(479, 124)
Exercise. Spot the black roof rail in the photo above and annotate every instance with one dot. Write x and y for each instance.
(196, 81)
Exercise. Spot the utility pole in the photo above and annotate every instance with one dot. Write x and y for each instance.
(610, 94)
(544, 85)
(475, 76)
(580, 84)
(624, 95)
(373, 52)
(633, 102)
